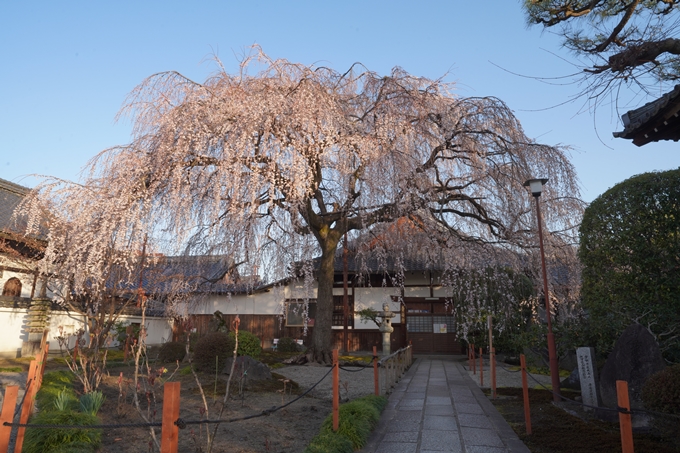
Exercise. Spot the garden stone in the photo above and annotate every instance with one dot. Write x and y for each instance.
(571, 382)
(253, 369)
(587, 377)
(636, 356)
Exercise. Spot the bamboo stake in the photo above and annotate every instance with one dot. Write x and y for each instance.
(525, 392)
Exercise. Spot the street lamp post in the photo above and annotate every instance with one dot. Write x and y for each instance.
(536, 187)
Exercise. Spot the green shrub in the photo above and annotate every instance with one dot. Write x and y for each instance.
(248, 344)
(76, 440)
(329, 443)
(357, 420)
(287, 344)
(56, 384)
(661, 392)
(172, 351)
(210, 346)
(90, 403)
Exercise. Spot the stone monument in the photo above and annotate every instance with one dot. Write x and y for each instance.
(386, 327)
(635, 357)
(587, 373)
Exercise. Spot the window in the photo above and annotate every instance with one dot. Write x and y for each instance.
(12, 288)
(297, 310)
(339, 312)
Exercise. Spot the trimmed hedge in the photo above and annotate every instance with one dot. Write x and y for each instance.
(357, 419)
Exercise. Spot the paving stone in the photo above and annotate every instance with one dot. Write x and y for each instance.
(467, 399)
(417, 402)
(441, 422)
(439, 410)
(478, 436)
(467, 408)
(413, 416)
(438, 401)
(475, 421)
(484, 449)
(436, 440)
(403, 426)
(402, 436)
(397, 447)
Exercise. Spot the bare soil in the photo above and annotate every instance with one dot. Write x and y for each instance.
(288, 430)
(563, 429)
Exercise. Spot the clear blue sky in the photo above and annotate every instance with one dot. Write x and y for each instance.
(66, 68)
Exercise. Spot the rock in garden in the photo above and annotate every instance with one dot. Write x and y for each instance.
(636, 356)
(251, 368)
(572, 381)
(300, 359)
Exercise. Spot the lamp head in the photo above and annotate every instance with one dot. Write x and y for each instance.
(536, 186)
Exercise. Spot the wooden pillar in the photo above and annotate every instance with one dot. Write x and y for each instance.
(376, 376)
(9, 404)
(169, 430)
(27, 408)
(624, 419)
(336, 391)
(525, 393)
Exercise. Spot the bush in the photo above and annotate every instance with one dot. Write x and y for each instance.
(329, 443)
(661, 392)
(210, 346)
(58, 405)
(39, 440)
(56, 385)
(357, 420)
(248, 344)
(90, 403)
(172, 351)
(629, 252)
(287, 344)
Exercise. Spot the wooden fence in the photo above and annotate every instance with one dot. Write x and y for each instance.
(268, 327)
(171, 400)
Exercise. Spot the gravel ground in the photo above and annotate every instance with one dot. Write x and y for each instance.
(507, 378)
(360, 383)
(353, 384)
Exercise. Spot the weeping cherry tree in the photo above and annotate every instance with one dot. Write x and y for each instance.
(272, 165)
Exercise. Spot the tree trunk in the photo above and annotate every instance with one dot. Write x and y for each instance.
(323, 322)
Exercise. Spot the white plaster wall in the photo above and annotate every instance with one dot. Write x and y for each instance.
(11, 334)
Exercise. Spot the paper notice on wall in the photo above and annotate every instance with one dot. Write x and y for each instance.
(439, 328)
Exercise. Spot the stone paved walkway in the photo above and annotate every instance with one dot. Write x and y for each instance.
(436, 407)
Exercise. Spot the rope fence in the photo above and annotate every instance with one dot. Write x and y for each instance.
(623, 408)
(394, 366)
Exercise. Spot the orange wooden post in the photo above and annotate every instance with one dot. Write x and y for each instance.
(169, 430)
(525, 392)
(493, 372)
(336, 391)
(376, 376)
(481, 368)
(9, 403)
(27, 408)
(44, 355)
(474, 361)
(624, 419)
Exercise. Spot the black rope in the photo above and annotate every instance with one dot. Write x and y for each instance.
(179, 422)
(108, 426)
(618, 408)
(361, 368)
(183, 423)
(21, 404)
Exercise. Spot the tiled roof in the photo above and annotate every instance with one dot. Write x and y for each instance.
(654, 121)
(10, 196)
(190, 274)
